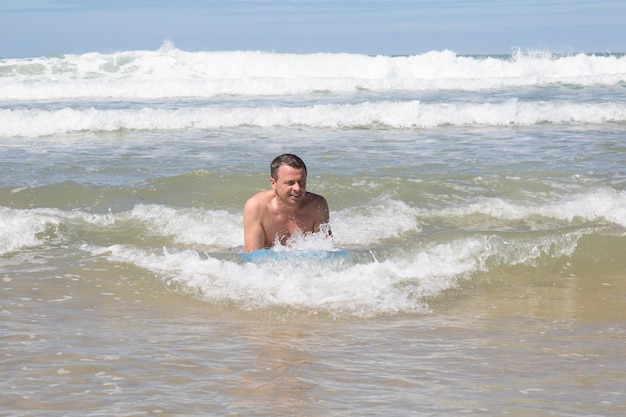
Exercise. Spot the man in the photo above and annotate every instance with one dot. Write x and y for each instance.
(272, 216)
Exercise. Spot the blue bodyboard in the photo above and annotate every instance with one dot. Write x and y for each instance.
(269, 255)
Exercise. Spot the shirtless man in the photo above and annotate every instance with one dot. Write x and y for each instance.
(271, 216)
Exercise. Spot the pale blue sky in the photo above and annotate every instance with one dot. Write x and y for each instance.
(30, 28)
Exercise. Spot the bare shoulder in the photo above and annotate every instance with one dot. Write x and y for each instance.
(261, 197)
(258, 202)
(319, 206)
(317, 200)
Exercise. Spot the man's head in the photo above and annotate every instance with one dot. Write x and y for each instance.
(286, 159)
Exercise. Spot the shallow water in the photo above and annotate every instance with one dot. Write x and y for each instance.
(97, 343)
(483, 219)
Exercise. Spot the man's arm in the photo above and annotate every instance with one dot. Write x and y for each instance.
(253, 232)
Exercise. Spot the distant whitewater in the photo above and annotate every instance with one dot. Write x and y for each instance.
(170, 89)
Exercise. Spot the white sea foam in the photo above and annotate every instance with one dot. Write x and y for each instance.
(22, 228)
(302, 283)
(215, 228)
(603, 204)
(169, 72)
(209, 228)
(169, 89)
(200, 250)
(353, 227)
(379, 220)
(339, 286)
(399, 115)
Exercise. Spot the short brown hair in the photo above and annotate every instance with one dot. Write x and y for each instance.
(286, 159)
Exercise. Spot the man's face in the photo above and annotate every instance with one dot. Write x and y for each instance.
(290, 184)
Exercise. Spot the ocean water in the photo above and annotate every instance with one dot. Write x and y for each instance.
(480, 200)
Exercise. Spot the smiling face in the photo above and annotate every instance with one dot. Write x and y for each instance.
(289, 185)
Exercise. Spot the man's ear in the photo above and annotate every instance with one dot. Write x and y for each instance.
(273, 183)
